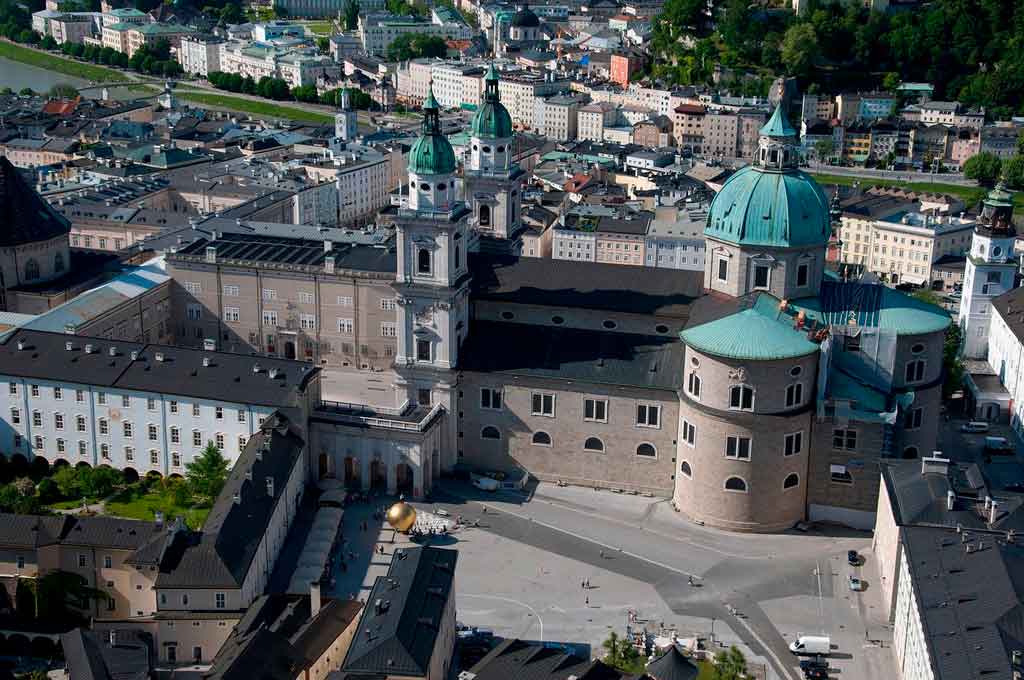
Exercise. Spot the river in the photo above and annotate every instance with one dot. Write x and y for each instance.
(17, 76)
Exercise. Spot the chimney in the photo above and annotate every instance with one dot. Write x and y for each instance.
(159, 357)
(935, 463)
(950, 500)
(993, 512)
(206, 362)
(88, 347)
(329, 264)
(314, 598)
(270, 486)
(211, 254)
(113, 351)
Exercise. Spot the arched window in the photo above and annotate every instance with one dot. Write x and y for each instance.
(910, 452)
(424, 187)
(684, 467)
(423, 261)
(593, 444)
(458, 258)
(741, 397)
(693, 385)
(31, 270)
(541, 438)
(792, 481)
(58, 262)
(487, 149)
(442, 186)
(735, 484)
(485, 215)
(490, 432)
(915, 370)
(647, 450)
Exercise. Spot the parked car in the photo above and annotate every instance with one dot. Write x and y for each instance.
(806, 645)
(486, 483)
(974, 427)
(852, 558)
(856, 584)
(816, 674)
(998, 446)
(816, 662)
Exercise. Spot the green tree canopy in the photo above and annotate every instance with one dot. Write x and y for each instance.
(1013, 172)
(351, 15)
(983, 167)
(799, 49)
(413, 46)
(730, 665)
(207, 473)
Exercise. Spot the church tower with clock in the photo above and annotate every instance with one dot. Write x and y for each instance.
(432, 279)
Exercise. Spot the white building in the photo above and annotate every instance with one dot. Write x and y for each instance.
(297, 67)
(675, 239)
(200, 54)
(378, 31)
(138, 406)
(592, 119)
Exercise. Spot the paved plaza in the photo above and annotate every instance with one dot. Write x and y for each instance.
(521, 574)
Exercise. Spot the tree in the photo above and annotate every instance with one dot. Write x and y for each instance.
(799, 50)
(622, 655)
(824, 148)
(323, 44)
(351, 15)
(1013, 172)
(891, 81)
(413, 46)
(231, 13)
(99, 482)
(68, 482)
(48, 43)
(953, 366)
(983, 167)
(1020, 143)
(207, 473)
(63, 91)
(730, 665)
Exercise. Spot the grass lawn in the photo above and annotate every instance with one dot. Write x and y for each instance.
(134, 503)
(320, 27)
(970, 195)
(66, 505)
(258, 108)
(707, 670)
(52, 62)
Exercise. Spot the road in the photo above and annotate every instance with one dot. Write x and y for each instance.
(762, 589)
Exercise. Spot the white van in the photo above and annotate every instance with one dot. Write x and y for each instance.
(974, 427)
(811, 644)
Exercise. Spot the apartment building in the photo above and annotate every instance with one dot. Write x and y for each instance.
(378, 31)
(297, 67)
(688, 126)
(65, 27)
(675, 238)
(130, 405)
(519, 91)
(721, 130)
(200, 54)
(365, 177)
(152, 33)
(556, 117)
(951, 113)
(591, 120)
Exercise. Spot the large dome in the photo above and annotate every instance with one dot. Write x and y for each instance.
(761, 207)
(432, 153)
(492, 121)
(525, 18)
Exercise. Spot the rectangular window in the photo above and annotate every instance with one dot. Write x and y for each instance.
(127, 430)
(34, 390)
(129, 453)
(150, 404)
(723, 269)
(231, 314)
(58, 393)
(154, 457)
(15, 416)
(37, 419)
(307, 322)
(794, 443)
(737, 447)
(269, 294)
(58, 421)
(61, 448)
(105, 451)
(388, 304)
(79, 396)
(193, 287)
(218, 412)
(305, 298)
(802, 274)
(39, 443)
(175, 459)
(761, 272)
(840, 475)
(80, 423)
(126, 401)
(648, 415)
(741, 397)
(844, 440)
(81, 559)
(542, 404)
(219, 600)
(219, 440)
(195, 410)
(13, 388)
(83, 448)
(423, 350)
(197, 438)
(388, 330)
(913, 419)
(232, 291)
(794, 394)
(689, 433)
(595, 410)
(172, 406)
(269, 317)
(241, 416)
(345, 326)
(101, 398)
(108, 562)
(490, 398)
(175, 435)
(194, 312)
(344, 301)
(852, 343)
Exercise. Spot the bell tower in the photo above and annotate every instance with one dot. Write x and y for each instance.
(432, 276)
(493, 181)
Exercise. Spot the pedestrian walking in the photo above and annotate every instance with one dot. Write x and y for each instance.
(586, 600)
(602, 554)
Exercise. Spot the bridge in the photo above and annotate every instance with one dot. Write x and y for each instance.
(128, 83)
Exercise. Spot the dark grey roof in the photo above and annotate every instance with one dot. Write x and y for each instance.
(26, 218)
(229, 377)
(221, 554)
(672, 665)
(918, 493)
(535, 661)
(257, 655)
(969, 602)
(559, 353)
(91, 656)
(1010, 306)
(587, 285)
(30, 531)
(398, 637)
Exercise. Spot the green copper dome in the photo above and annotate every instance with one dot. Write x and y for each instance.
(492, 120)
(762, 207)
(432, 153)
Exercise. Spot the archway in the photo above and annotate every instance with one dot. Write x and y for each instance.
(154, 474)
(403, 478)
(18, 466)
(289, 350)
(131, 475)
(83, 465)
(378, 475)
(60, 462)
(351, 473)
(323, 466)
(42, 648)
(39, 468)
(175, 475)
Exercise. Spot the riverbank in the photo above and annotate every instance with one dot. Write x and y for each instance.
(252, 106)
(51, 62)
(969, 195)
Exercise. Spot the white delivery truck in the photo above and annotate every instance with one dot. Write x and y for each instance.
(811, 644)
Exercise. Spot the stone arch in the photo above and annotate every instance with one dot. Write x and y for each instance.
(791, 482)
(82, 465)
(404, 479)
(131, 475)
(485, 216)
(737, 484)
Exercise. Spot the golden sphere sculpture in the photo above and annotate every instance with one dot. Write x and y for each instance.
(401, 516)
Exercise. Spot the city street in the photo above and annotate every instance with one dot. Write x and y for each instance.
(521, 574)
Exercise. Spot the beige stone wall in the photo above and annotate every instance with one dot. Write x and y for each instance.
(351, 296)
(13, 261)
(765, 505)
(141, 319)
(885, 547)
(333, 656)
(618, 466)
(9, 562)
(184, 634)
(783, 264)
(862, 464)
